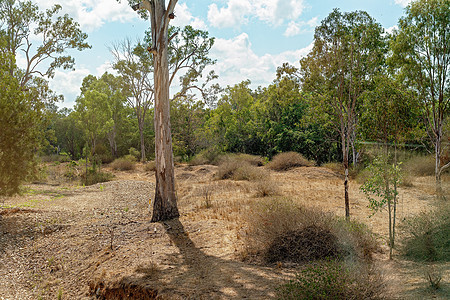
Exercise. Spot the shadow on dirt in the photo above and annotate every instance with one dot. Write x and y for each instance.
(200, 276)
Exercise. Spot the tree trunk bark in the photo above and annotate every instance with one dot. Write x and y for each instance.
(345, 151)
(165, 202)
(141, 135)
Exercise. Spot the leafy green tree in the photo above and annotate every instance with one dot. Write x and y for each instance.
(421, 49)
(348, 51)
(20, 124)
(68, 132)
(22, 20)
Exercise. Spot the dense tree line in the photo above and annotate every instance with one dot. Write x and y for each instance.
(356, 78)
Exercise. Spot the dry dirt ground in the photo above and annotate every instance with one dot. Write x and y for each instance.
(59, 240)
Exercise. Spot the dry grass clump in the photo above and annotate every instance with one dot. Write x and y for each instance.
(288, 160)
(123, 164)
(150, 166)
(335, 167)
(420, 166)
(281, 231)
(238, 170)
(265, 188)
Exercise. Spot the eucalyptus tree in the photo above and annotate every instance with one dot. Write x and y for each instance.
(348, 51)
(170, 55)
(421, 47)
(23, 23)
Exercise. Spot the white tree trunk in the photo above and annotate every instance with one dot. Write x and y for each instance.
(165, 202)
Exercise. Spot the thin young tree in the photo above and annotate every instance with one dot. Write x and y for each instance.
(348, 51)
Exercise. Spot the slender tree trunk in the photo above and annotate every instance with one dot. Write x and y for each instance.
(165, 202)
(437, 170)
(345, 151)
(141, 135)
(389, 202)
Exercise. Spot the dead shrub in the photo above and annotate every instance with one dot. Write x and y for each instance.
(306, 244)
(123, 164)
(265, 188)
(280, 230)
(288, 160)
(238, 170)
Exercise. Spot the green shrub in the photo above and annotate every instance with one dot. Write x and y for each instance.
(288, 160)
(333, 280)
(206, 156)
(426, 236)
(94, 177)
(134, 153)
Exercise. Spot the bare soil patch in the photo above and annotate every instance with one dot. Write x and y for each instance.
(97, 241)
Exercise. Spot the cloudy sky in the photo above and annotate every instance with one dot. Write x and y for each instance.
(253, 37)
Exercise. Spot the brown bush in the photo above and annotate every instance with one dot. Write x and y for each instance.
(123, 164)
(288, 160)
(239, 170)
(278, 225)
(265, 188)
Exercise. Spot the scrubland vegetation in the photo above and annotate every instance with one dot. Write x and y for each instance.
(324, 184)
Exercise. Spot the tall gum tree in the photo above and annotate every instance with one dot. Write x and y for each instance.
(421, 50)
(190, 58)
(348, 51)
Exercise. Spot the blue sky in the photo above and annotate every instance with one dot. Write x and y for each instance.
(253, 37)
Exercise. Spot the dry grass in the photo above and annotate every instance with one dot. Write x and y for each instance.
(150, 166)
(266, 187)
(420, 166)
(288, 160)
(123, 164)
(239, 170)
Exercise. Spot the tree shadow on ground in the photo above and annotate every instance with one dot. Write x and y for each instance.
(196, 275)
(213, 277)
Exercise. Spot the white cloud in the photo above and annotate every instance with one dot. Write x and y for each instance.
(295, 28)
(233, 15)
(403, 3)
(238, 12)
(184, 17)
(236, 61)
(92, 14)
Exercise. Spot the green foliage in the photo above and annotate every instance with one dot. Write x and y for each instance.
(332, 280)
(379, 186)
(93, 176)
(20, 122)
(426, 236)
